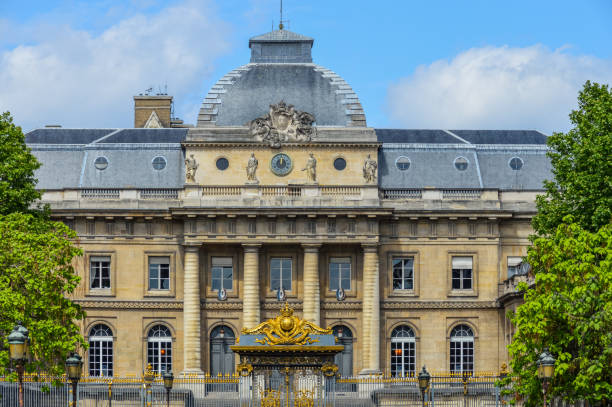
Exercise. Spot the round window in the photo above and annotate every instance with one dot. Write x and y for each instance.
(222, 163)
(402, 163)
(461, 163)
(159, 163)
(515, 163)
(339, 163)
(101, 163)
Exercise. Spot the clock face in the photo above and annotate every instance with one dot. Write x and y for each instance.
(281, 164)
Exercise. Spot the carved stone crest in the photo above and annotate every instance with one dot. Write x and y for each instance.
(283, 123)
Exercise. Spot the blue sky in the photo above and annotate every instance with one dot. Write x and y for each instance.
(414, 64)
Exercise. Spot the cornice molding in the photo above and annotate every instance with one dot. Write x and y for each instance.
(395, 304)
(130, 305)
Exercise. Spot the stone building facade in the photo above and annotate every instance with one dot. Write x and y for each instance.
(402, 241)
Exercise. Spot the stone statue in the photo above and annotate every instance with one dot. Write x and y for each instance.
(251, 168)
(311, 168)
(283, 123)
(369, 169)
(191, 166)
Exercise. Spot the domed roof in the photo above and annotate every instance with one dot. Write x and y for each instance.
(281, 69)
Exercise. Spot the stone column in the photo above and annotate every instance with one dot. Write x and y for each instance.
(371, 310)
(191, 311)
(250, 301)
(312, 297)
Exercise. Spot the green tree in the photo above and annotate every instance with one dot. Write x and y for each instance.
(569, 310)
(17, 166)
(582, 166)
(36, 262)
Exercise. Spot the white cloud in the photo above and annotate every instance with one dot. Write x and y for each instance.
(495, 88)
(77, 79)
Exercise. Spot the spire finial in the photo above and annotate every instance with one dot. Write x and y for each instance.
(280, 25)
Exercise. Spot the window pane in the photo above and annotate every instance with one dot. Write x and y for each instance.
(228, 278)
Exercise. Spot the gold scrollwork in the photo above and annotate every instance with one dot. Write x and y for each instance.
(329, 369)
(244, 369)
(286, 329)
(304, 398)
(271, 398)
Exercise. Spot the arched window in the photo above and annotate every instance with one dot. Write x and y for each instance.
(344, 359)
(221, 356)
(462, 349)
(403, 351)
(159, 349)
(100, 351)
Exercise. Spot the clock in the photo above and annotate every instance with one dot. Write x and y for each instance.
(281, 164)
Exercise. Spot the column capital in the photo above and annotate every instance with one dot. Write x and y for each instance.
(193, 248)
(251, 247)
(370, 247)
(311, 247)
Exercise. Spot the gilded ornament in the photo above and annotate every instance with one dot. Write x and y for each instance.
(286, 329)
(329, 369)
(244, 369)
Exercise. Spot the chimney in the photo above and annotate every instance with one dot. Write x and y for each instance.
(152, 111)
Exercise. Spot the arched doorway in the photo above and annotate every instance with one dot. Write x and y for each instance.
(344, 359)
(221, 356)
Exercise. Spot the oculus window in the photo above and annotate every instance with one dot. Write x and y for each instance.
(101, 163)
(159, 163)
(222, 163)
(402, 163)
(461, 163)
(462, 275)
(99, 271)
(340, 273)
(280, 273)
(159, 273)
(222, 271)
(515, 163)
(339, 163)
(403, 273)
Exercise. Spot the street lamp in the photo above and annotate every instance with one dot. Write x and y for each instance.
(18, 349)
(148, 377)
(74, 368)
(168, 380)
(546, 370)
(424, 378)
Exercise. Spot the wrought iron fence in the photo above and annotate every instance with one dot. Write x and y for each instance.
(234, 391)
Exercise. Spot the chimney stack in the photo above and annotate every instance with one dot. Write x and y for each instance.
(152, 111)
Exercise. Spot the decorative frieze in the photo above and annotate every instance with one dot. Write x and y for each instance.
(130, 305)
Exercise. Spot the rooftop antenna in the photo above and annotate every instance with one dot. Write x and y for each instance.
(280, 25)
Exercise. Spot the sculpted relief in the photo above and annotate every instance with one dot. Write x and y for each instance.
(283, 123)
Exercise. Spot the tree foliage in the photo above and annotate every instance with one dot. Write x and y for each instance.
(17, 166)
(569, 310)
(582, 166)
(36, 262)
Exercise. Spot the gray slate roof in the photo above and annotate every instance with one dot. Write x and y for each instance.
(281, 69)
(68, 156)
(432, 155)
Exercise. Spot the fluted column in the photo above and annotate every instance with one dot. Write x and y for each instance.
(312, 296)
(371, 309)
(191, 310)
(250, 301)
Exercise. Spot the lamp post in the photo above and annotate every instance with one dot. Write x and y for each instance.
(546, 370)
(168, 380)
(74, 368)
(424, 378)
(18, 349)
(148, 377)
